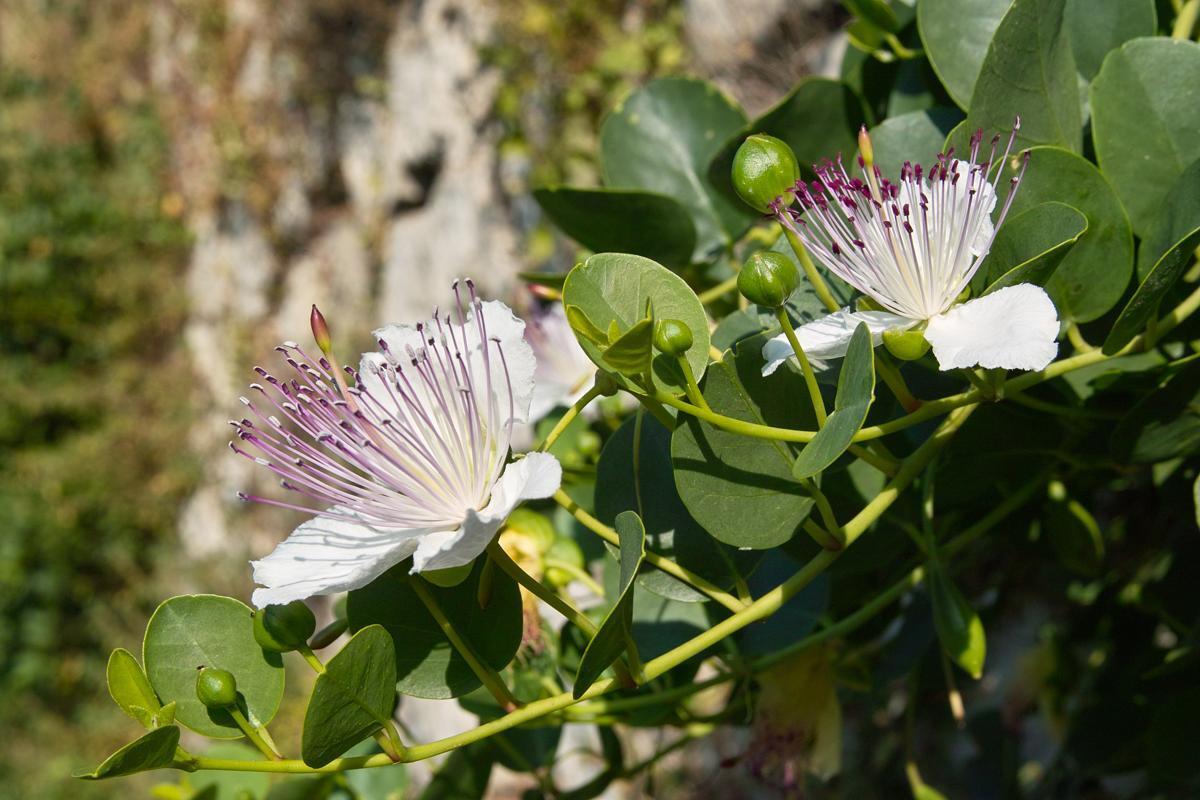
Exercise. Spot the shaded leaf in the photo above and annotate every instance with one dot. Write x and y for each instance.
(622, 221)
(427, 665)
(1097, 27)
(739, 488)
(1170, 248)
(1031, 245)
(1165, 424)
(855, 393)
(661, 139)
(616, 629)
(959, 628)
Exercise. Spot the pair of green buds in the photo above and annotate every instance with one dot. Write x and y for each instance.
(277, 629)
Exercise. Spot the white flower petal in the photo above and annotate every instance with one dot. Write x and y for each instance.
(1014, 328)
(327, 555)
(509, 329)
(534, 477)
(829, 336)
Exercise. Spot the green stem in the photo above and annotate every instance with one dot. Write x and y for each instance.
(690, 385)
(654, 559)
(810, 271)
(539, 589)
(568, 417)
(879, 461)
(810, 378)
(894, 380)
(486, 674)
(717, 292)
(1185, 23)
(253, 734)
(826, 512)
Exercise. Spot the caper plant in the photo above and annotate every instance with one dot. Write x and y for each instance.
(812, 371)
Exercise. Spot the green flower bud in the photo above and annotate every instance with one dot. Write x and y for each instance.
(906, 345)
(281, 629)
(765, 168)
(533, 525)
(605, 383)
(768, 279)
(450, 576)
(216, 688)
(672, 337)
(568, 552)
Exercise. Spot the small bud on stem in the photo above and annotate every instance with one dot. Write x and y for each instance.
(320, 330)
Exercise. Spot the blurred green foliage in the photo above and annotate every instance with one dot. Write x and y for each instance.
(95, 392)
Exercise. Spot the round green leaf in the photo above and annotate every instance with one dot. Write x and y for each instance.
(741, 489)
(1164, 256)
(956, 35)
(1029, 247)
(647, 485)
(615, 288)
(1028, 70)
(1092, 277)
(917, 137)
(1097, 27)
(427, 665)
(818, 119)
(661, 139)
(622, 221)
(205, 630)
(1146, 122)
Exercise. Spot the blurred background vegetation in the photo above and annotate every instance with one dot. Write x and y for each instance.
(104, 208)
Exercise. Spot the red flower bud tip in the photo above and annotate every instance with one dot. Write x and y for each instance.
(320, 331)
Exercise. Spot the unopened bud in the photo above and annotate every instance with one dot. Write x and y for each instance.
(320, 330)
(768, 279)
(764, 170)
(865, 149)
(906, 345)
(216, 688)
(672, 336)
(284, 628)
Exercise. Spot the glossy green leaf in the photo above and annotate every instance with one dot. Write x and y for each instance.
(130, 688)
(622, 221)
(204, 630)
(1030, 246)
(154, 750)
(855, 393)
(917, 137)
(352, 698)
(632, 352)
(616, 629)
(1093, 276)
(426, 663)
(661, 139)
(615, 288)
(959, 628)
(1169, 248)
(1028, 70)
(818, 119)
(956, 35)
(1146, 122)
(741, 489)
(645, 483)
(1096, 27)
(1165, 424)
(876, 12)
